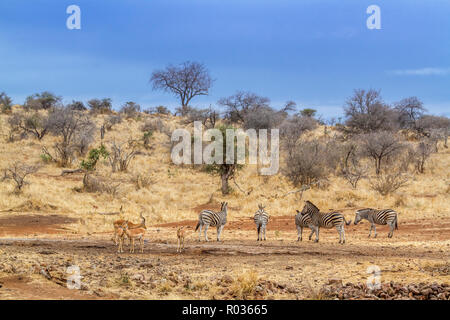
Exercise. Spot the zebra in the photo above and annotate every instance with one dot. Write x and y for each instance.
(261, 219)
(382, 217)
(208, 218)
(325, 220)
(302, 221)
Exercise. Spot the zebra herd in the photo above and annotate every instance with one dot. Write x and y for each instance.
(310, 217)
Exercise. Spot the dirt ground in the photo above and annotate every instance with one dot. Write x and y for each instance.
(36, 251)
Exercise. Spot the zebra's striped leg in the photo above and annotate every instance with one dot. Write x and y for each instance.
(375, 231)
(343, 234)
(219, 232)
(391, 231)
(299, 233)
(317, 234)
(310, 235)
(370, 231)
(200, 233)
(264, 233)
(339, 230)
(206, 230)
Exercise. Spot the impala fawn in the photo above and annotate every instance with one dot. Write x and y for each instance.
(132, 234)
(181, 234)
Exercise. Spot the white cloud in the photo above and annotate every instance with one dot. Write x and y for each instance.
(421, 72)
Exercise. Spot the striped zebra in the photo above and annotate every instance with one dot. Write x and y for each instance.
(261, 219)
(382, 217)
(303, 221)
(208, 218)
(325, 220)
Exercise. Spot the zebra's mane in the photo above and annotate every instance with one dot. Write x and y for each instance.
(312, 204)
(365, 210)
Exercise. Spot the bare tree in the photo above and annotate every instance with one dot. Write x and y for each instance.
(379, 146)
(74, 129)
(18, 172)
(410, 110)
(366, 112)
(421, 153)
(35, 124)
(352, 168)
(208, 117)
(241, 104)
(121, 155)
(186, 81)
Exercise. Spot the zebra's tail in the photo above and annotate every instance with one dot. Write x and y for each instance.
(198, 225)
(396, 223)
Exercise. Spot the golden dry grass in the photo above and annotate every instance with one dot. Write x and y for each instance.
(175, 191)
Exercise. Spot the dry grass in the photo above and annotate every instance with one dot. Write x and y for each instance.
(244, 285)
(168, 193)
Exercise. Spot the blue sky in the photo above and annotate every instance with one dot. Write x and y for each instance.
(311, 51)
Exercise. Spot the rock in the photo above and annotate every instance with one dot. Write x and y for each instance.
(441, 296)
(227, 279)
(426, 292)
(281, 286)
(138, 277)
(291, 289)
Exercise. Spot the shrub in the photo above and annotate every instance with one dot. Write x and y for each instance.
(75, 131)
(18, 172)
(102, 106)
(379, 146)
(45, 100)
(309, 163)
(111, 121)
(389, 181)
(93, 157)
(35, 124)
(121, 155)
(5, 103)
(130, 109)
(420, 154)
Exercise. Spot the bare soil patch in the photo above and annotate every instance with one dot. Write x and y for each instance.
(24, 225)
